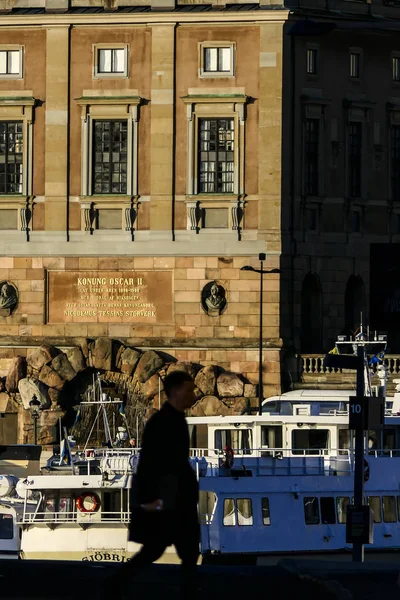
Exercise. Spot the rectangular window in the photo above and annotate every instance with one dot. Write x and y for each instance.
(341, 505)
(389, 509)
(271, 437)
(312, 55)
(354, 151)
(10, 62)
(8, 219)
(240, 440)
(328, 513)
(217, 60)
(311, 157)
(310, 441)
(214, 218)
(245, 511)
(311, 510)
(229, 519)
(110, 145)
(11, 155)
(375, 503)
(216, 167)
(396, 68)
(356, 221)
(6, 527)
(355, 62)
(266, 515)
(111, 60)
(395, 161)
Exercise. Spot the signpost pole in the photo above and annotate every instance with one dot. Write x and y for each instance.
(358, 547)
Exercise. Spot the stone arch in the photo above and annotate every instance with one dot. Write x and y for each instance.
(355, 303)
(311, 325)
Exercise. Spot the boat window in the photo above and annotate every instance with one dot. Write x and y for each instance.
(341, 504)
(309, 441)
(389, 509)
(65, 507)
(385, 440)
(328, 513)
(245, 511)
(6, 527)
(50, 504)
(375, 504)
(266, 515)
(311, 510)
(344, 441)
(271, 437)
(240, 440)
(229, 512)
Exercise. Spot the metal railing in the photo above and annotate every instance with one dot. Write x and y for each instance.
(74, 517)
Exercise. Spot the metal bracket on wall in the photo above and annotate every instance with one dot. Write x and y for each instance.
(131, 217)
(90, 216)
(195, 217)
(237, 217)
(26, 217)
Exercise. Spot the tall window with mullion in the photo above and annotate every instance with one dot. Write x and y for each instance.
(311, 157)
(110, 160)
(216, 165)
(354, 158)
(11, 157)
(395, 161)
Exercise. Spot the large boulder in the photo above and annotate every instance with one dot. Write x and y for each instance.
(238, 406)
(128, 360)
(32, 387)
(4, 401)
(16, 372)
(63, 367)
(229, 385)
(206, 380)
(51, 378)
(148, 364)
(209, 406)
(76, 359)
(250, 390)
(41, 356)
(187, 367)
(152, 386)
(102, 354)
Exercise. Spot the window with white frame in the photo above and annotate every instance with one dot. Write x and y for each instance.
(10, 63)
(216, 164)
(217, 59)
(312, 61)
(11, 157)
(111, 61)
(355, 64)
(110, 156)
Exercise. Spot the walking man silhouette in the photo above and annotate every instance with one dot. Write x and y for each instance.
(165, 489)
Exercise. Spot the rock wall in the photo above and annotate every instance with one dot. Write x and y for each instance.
(58, 379)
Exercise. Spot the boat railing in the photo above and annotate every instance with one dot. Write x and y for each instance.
(74, 517)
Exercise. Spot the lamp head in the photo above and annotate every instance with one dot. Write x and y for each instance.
(247, 268)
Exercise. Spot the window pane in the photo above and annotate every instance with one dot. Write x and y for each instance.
(389, 509)
(396, 68)
(6, 527)
(13, 61)
(105, 61)
(266, 515)
(229, 512)
(245, 511)
(354, 65)
(312, 61)
(110, 157)
(216, 156)
(224, 59)
(328, 515)
(342, 504)
(3, 62)
(11, 153)
(375, 504)
(210, 59)
(310, 441)
(119, 60)
(311, 511)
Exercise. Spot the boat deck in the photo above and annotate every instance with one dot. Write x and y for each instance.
(57, 580)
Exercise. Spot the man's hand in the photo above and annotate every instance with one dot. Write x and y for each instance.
(155, 505)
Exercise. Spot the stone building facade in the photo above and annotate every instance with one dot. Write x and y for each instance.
(140, 144)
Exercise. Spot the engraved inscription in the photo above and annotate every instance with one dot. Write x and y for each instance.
(109, 296)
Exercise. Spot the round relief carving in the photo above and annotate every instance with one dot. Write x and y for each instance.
(8, 298)
(213, 299)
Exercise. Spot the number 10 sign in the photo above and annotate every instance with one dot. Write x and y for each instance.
(366, 412)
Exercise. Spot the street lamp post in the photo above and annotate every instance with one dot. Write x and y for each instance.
(34, 405)
(261, 257)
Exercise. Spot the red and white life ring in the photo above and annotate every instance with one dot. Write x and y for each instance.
(88, 502)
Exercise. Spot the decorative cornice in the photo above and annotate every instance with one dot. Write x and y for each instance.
(92, 100)
(215, 98)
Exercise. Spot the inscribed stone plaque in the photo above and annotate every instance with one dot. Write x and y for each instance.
(110, 297)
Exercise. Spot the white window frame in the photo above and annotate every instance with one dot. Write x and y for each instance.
(359, 53)
(97, 74)
(219, 74)
(313, 48)
(20, 50)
